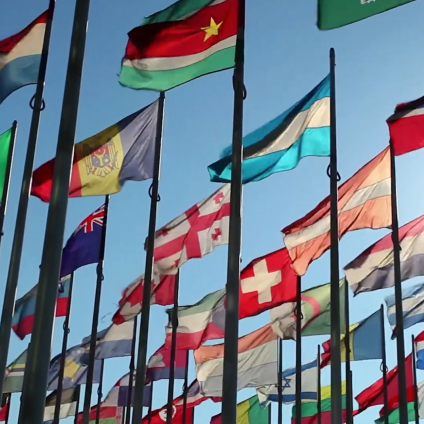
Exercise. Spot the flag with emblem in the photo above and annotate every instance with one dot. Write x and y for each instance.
(68, 404)
(159, 364)
(182, 42)
(14, 375)
(195, 233)
(104, 162)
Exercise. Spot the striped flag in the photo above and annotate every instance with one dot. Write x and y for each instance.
(419, 350)
(159, 364)
(248, 412)
(68, 405)
(14, 377)
(364, 202)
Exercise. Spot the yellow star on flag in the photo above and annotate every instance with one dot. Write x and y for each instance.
(212, 29)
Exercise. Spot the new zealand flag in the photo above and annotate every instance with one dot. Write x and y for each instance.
(83, 247)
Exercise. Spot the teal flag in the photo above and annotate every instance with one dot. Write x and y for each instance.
(5, 141)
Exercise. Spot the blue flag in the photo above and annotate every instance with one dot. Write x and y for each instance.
(303, 130)
(83, 247)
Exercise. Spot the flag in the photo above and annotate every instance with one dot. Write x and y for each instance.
(412, 307)
(419, 350)
(108, 415)
(360, 335)
(373, 268)
(162, 293)
(257, 362)
(5, 405)
(5, 142)
(373, 395)
(334, 14)
(20, 56)
(200, 322)
(104, 162)
(267, 282)
(159, 364)
(23, 317)
(309, 385)
(195, 233)
(364, 202)
(182, 42)
(279, 145)
(309, 410)
(14, 376)
(75, 372)
(68, 404)
(316, 311)
(248, 412)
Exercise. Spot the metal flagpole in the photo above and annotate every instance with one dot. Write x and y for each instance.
(173, 352)
(384, 366)
(78, 403)
(39, 352)
(140, 375)
(230, 367)
(131, 376)
(185, 388)
(280, 381)
(319, 385)
(298, 404)
(269, 413)
(336, 412)
(400, 337)
(6, 184)
(414, 373)
(66, 331)
(99, 392)
(95, 320)
(149, 412)
(37, 105)
(9, 401)
(349, 394)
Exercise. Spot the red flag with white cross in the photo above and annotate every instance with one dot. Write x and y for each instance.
(193, 234)
(267, 282)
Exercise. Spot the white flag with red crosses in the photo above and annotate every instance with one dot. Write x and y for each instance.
(193, 234)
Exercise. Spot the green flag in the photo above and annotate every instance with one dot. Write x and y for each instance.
(336, 13)
(15, 374)
(5, 140)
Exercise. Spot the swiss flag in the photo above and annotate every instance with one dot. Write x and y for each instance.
(267, 282)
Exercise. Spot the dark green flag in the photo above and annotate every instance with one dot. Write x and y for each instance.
(5, 140)
(337, 13)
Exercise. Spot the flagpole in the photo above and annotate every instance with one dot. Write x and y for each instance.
(400, 337)
(78, 403)
(147, 289)
(185, 387)
(131, 376)
(414, 373)
(280, 381)
(6, 184)
(298, 404)
(173, 352)
(66, 331)
(269, 414)
(95, 319)
(18, 236)
(99, 392)
(336, 413)
(349, 394)
(384, 366)
(149, 412)
(8, 409)
(230, 367)
(319, 385)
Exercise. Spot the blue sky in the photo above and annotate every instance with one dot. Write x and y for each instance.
(379, 64)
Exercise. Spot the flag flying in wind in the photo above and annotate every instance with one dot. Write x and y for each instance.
(14, 376)
(316, 313)
(108, 415)
(104, 162)
(184, 41)
(363, 202)
(412, 306)
(68, 404)
(5, 142)
(20, 56)
(248, 412)
(419, 350)
(257, 362)
(159, 365)
(373, 268)
(23, 318)
(359, 335)
(4, 407)
(279, 145)
(406, 126)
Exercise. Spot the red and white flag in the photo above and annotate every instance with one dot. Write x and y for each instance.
(193, 234)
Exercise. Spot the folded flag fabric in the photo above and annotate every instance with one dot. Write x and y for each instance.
(316, 313)
(108, 415)
(406, 124)
(14, 376)
(159, 365)
(68, 403)
(248, 412)
(20, 56)
(334, 14)
(5, 406)
(195, 233)
(412, 306)
(184, 41)
(104, 162)
(373, 268)
(309, 410)
(279, 145)
(257, 362)
(5, 142)
(360, 335)
(419, 350)
(309, 385)
(23, 318)
(363, 202)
